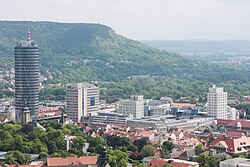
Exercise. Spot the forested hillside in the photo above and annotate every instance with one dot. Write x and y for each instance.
(80, 52)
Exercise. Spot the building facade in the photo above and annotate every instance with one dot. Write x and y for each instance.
(26, 77)
(232, 113)
(82, 100)
(106, 118)
(217, 103)
(134, 106)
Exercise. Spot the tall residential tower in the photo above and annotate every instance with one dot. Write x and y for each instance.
(26, 77)
(217, 103)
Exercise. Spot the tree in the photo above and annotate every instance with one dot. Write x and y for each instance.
(52, 148)
(10, 160)
(77, 145)
(199, 147)
(43, 155)
(202, 159)
(117, 141)
(148, 150)
(167, 165)
(210, 140)
(132, 147)
(18, 142)
(118, 158)
(96, 144)
(168, 145)
(213, 161)
(140, 143)
(18, 157)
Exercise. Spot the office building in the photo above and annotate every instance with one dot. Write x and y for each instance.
(134, 106)
(26, 77)
(217, 103)
(82, 100)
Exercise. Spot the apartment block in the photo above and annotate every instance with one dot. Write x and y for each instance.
(217, 103)
(134, 106)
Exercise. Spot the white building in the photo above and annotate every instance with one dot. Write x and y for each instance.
(82, 100)
(134, 106)
(232, 113)
(217, 103)
(239, 162)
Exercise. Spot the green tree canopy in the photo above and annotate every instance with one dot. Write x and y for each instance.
(148, 150)
(118, 158)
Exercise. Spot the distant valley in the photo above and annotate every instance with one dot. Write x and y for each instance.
(234, 53)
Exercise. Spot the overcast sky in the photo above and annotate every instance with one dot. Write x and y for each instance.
(143, 19)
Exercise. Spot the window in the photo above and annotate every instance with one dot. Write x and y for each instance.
(92, 101)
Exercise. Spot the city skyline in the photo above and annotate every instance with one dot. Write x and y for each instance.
(143, 20)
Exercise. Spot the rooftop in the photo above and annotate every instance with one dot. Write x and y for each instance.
(84, 160)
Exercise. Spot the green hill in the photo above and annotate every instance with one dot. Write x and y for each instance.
(78, 52)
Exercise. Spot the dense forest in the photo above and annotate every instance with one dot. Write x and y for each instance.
(78, 52)
(96, 52)
(154, 88)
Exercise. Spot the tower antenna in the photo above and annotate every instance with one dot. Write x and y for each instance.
(28, 35)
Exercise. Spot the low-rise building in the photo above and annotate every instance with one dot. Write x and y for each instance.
(231, 145)
(239, 162)
(105, 118)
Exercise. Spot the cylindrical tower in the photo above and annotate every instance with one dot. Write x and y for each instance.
(26, 77)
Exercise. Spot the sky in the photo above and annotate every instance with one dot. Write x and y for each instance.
(143, 19)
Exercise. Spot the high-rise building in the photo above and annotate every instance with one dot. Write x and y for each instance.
(82, 100)
(134, 106)
(217, 103)
(26, 77)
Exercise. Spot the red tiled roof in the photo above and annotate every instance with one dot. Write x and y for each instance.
(144, 134)
(189, 142)
(231, 123)
(224, 121)
(55, 108)
(244, 122)
(233, 144)
(177, 133)
(246, 102)
(2, 119)
(161, 163)
(235, 134)
(70, 137)
(84, 160)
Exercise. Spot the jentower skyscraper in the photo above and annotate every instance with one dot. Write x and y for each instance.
(26, 77)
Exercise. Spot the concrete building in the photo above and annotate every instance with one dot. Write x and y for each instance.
(217, 103)
(134, 106)
(26, 77)
(82, 100)
(106, 118)
(235, 162)
(232, 113)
